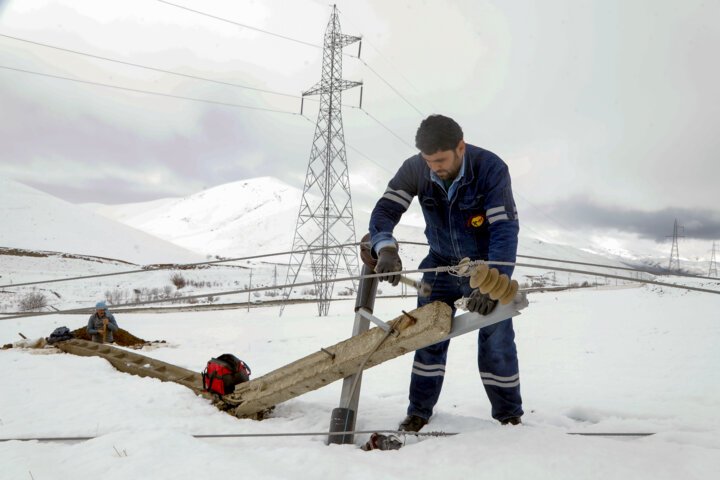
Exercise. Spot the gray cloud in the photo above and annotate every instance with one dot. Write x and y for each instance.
(657, 225)
(221, 146)
(558, 91)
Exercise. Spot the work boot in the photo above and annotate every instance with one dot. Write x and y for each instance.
(512, 421)
(412, 423)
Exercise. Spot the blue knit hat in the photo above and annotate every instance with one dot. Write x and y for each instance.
(101, 306)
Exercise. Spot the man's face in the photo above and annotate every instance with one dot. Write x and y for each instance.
(446, 163)
(100, 313)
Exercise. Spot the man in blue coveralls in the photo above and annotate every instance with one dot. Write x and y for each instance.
(466, 198)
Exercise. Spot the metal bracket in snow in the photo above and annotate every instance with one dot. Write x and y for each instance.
(378, 322)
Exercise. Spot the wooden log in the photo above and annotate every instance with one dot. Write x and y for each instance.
(423, 326)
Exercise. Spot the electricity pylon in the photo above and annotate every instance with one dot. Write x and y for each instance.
(326, 217)
(674, 264)
(713, 264)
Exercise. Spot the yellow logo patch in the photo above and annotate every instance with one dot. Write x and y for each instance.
(477, 220)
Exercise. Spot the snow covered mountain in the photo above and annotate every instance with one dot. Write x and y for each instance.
(255, 216)
(34, 220)
(246, 217)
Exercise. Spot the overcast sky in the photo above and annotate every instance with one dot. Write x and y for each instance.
(604, 110)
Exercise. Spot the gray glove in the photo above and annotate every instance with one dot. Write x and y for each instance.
(480, 303)
(388, 262)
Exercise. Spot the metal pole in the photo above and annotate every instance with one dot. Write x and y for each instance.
(342, 418)
(249, 288)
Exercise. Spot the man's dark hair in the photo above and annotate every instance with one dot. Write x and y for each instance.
(438, 133)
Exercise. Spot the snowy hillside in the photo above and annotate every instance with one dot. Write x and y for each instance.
(246, 217)
(256, 216)
(33, 220)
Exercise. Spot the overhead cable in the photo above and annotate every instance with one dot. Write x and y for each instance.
(184, 266)
(389, 85)
(147, 67)
(392, 64)
(148, 92)
(359, 277)
(384, 126)
(151, 268)
(573, 262)
(250, 27)
(302, 42)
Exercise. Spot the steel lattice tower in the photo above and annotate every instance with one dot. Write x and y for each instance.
(674, 263)
(326, 216)
(713, 264)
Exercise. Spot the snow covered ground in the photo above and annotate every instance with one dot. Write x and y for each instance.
(612, 359)
(594, 360)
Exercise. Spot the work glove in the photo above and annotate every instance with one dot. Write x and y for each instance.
(388, 262)
(366, 253)
(480, 303)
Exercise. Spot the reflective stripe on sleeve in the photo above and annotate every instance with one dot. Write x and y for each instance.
(495, 210)
(499, 213)
(398, 196)
(498, 217)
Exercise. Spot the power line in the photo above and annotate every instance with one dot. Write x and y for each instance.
(147, 67)
(572, 262)
(285, 37)
(389, 62)
(161, 70)
(384, 126)
(275, 254)
(358, 277)
(171, 267)
(302, 42)
(220, 82)
(368, 158)
(389, 85)
(148, 92)
(276, 434)
(194, 77)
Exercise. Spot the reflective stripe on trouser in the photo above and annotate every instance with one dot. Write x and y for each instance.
(497, 358)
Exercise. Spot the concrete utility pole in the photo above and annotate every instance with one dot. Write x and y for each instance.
(326, 216)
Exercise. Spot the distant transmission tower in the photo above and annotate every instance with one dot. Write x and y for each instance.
(326, 216)
(674, 264)
(713, 264)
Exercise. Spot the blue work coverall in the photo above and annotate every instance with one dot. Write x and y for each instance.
(475, 217)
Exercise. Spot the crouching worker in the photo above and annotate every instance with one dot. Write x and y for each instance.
(102, 324)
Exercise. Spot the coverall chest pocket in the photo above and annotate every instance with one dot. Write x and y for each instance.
(433, 219)
(472, 213)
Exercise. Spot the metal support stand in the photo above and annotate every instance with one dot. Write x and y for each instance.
(343, 417)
